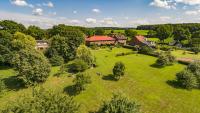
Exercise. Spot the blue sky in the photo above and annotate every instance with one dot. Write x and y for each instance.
(98, 13)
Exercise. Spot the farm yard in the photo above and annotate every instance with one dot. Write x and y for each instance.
(149, 86)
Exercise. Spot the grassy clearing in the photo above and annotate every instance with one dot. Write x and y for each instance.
(140, 32)
(148, 85)
(185, 54)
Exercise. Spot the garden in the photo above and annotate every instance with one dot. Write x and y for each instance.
(151, 87)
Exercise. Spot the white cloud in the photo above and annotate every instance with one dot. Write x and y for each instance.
(165, 18)
(75, 21)
(192, 12)
(91, 20)
(189, 2)
(109, 22)
(75, 12)
(37, 11)
(49, 4)
(167, 4)
(96, 10)
(52, 13)
(21, 3)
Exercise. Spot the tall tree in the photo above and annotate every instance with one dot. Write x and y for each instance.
(5, 38)
(84, 53)
(36, 32)
(43, 101)
(130, 33)
(181, 34)
(32, 67)
(12, 26)
(151, 33)
(22, 41)
(164, 32)
(65, 41)
(99, 31)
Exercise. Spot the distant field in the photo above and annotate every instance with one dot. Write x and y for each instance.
(140, 32)
(187, 54)
(148, 85)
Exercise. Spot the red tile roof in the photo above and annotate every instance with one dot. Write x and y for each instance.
(140, 38)
(100, 38)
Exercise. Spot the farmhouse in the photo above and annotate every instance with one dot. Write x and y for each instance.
(41, 44)
(141, 41)
(120, 39)
(103, 40)
(100, 40)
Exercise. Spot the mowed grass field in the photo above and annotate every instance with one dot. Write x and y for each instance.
(149, 86)
(140, 32)
(185, 54)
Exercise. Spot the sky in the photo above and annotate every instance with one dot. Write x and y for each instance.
(100, 13)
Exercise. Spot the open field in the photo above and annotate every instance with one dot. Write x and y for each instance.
(187, 54)
(140, 32)
(150, 86)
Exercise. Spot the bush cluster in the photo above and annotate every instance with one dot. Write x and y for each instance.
(78, 65)
(189, 78)
(118, 70)
(120, 104)
(165, 59)
(56, 60)
(43, 101)
(196, 50)
(32, 67)
(80, 82)
(166, 48)
(146, 50)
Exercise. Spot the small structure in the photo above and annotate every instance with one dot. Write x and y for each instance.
(120, 39)
(41, 45)
(141, 41)
(100, 40)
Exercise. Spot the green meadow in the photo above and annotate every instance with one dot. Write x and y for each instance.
(149, 86)
(139, 32)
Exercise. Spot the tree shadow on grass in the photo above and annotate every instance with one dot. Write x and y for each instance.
(12, 83)
(174, 84)
(109, 77)
(70, 90)
(4, 67)
(156, 66)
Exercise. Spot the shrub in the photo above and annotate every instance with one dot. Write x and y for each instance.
(190, 77)
(119, 104)
(165, 48)
(118, 70)
(78, 66)
(165, 59)
(80, 82)
(196, 50)
(56, 60)
(187, 79)
(42, 101)
(146, 50)
(32, 67)
(85, 54)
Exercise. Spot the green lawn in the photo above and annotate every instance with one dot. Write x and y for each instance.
(140, 32)
(187, 54)
(148, 85)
